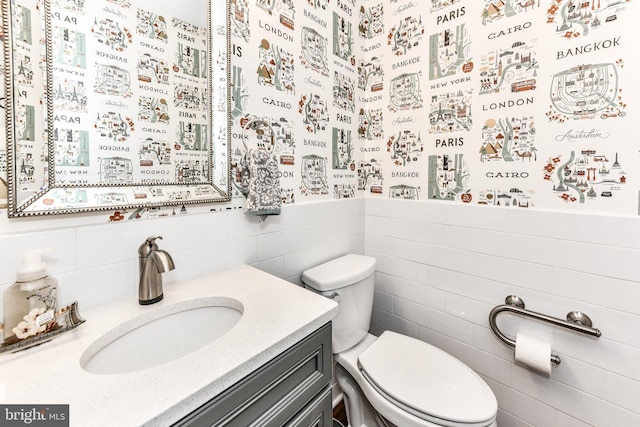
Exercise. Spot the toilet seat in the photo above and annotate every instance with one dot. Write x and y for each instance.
(427, 382)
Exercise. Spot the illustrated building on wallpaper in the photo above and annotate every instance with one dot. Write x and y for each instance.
(405, 192)
(405, 92)
(371, 74)
(343, 92)
(406, 35)
(314, 51)
(314, 175)
(343, 38)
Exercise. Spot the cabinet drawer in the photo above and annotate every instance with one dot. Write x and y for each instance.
(318, 413)
(276, 391)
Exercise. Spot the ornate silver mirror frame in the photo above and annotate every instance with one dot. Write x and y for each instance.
(131, 109)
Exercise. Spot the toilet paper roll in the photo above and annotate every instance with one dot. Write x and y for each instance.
(533, 354)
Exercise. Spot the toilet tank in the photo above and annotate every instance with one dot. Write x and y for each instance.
(349, 280)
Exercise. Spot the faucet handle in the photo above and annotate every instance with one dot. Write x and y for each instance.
(148, 245)
(152, 239)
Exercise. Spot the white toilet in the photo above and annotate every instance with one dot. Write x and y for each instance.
(408, 382)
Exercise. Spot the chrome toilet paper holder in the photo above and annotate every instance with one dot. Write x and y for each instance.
(577, 321)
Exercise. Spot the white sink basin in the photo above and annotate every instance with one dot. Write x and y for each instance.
(161, 335)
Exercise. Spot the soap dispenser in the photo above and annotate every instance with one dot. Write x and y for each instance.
(29, 305)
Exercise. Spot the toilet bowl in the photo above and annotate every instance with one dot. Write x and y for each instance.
(407, 382)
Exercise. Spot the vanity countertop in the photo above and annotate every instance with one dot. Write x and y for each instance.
(276, 314)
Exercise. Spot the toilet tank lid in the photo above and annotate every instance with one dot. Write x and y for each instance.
(339, 272)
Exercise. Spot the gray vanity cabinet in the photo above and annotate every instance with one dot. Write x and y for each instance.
(293, 390)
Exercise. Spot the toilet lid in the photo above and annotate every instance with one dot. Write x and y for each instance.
(427, 381)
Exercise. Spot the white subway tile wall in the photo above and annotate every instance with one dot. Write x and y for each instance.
(98, 264)
(443, 267)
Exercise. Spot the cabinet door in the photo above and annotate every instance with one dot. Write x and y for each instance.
(274, 393)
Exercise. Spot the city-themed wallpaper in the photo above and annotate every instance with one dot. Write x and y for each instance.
(513, 103)
(297, 65)
(524, 104)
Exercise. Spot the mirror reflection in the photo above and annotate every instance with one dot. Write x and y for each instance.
(115, 104)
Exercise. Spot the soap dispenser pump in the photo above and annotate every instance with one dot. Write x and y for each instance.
(29, 305)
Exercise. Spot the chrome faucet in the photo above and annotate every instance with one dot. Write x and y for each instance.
(153, 262)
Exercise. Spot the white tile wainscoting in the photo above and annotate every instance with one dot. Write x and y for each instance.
(443, 267)
(98, 264)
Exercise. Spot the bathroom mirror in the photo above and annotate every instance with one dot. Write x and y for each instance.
(115, 104)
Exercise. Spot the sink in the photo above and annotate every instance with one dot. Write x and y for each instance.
(161, 335)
